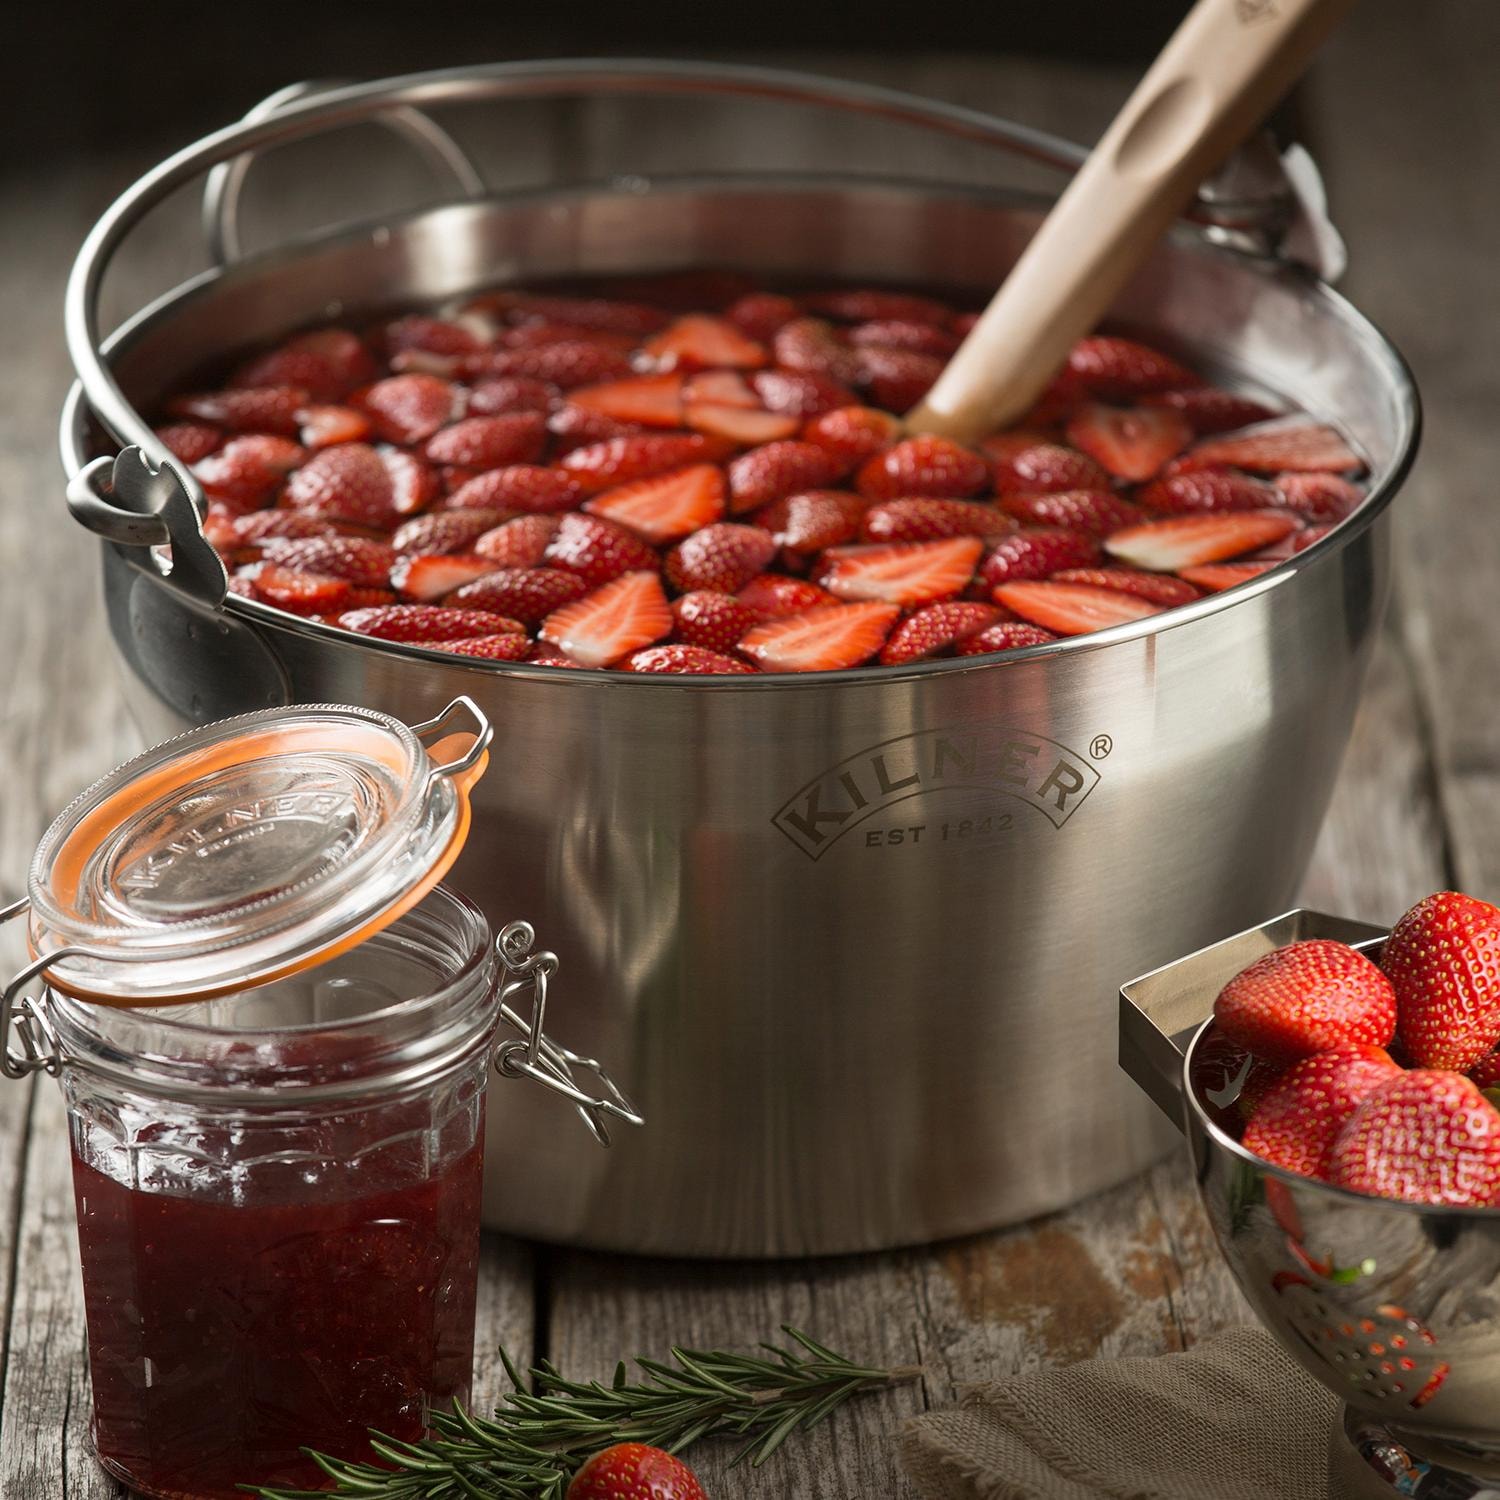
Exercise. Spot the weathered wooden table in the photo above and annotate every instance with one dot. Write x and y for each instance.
(1406, 127)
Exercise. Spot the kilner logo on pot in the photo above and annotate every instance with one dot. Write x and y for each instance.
(1030, 767)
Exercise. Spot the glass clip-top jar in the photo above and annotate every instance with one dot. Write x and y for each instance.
(273, 1027)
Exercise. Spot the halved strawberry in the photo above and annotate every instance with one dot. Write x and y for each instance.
(1318, 497)
(489, 442)
(619, 460)
(526, 594)
(1030, 467)
(776, 469)
(1121, 369)
(1036, 551)
(825, 639)
(897, 378)
(647, 400)
(927, 520)
(299, 592)
(1159, 588)
(1216, 577)
(697, 341)
(902, 333)
(1072, 608)
(1186, 541)
(426, 577)
(597, 550)
(271, 408)
(936, 629)
(812, 346)
(323, 426)
(346, 483)
(721, 388)
(410, 408)
(666, 507)
(1097, 512)
(678, 658)
(740, 424)
(414, 482)
(262, 525)
(543, 655)
(1297, 443)
(518, 543)
(1205, 490)
(801, 393)
(514, 645)
(247, 469)
(445, 531)
(190, 441)
(420, 622)
(813, 520)
(1131, 442)
(355, 559)
(1209, 410)
(606, 314)
(578, 427)
(931, 466)
(1007, 635)
(624, 615)
(713, 619)
(760, 314)
(904, 573)
(852, 433)
(326, 362)
(567, 363)
(528, 487)
(872, 304)
(723, 556)
(503, 394)
(434, 335)
(777, 596)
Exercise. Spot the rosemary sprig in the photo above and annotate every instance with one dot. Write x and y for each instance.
(538, 1436)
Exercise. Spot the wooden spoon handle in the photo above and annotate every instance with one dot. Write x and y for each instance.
(1216, 79)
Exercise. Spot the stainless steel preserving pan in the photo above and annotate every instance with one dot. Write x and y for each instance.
(853, 937)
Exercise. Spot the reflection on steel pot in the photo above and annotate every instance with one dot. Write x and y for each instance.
(851, 937)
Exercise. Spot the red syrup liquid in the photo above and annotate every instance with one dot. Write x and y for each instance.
(223, 1338)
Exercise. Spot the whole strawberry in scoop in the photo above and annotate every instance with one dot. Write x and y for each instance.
(1307, 998)
(1443, 959)
(633, 1471)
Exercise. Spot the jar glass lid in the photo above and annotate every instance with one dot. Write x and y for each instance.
(248, 849)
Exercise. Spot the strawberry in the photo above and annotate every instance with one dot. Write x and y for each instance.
(811, 346)
(262, 525)
(1297, 443)
(935, 466)
(1072, 608)
(189, 441)
(354, 559)
(1298, 1118)
(627, 613)
(1306, 998)
(1119, 369)
(519, 543)
(739, 424)
(897, 378)
(430, 576)
(773, 470)
(514, 645)
(1186, 541)
(778, 596)
(410, 408)
(683, 659)
(1259, 1081)
(1209, 410)
(1443, 958)
(1098, 512)
(597, 550)
(800, 393)
(1156, 587)
(619, 460)
(852, 433)
(578, 427)
(414, 483)
(646, 400)
(1204, 490)
(902, 333)
(929, 520)
(430, 335)
(712, 619)
(445, 531)
(874, 304)
(567, 364)
(1424, 1136)
(1318, 497)
(760, 314)
(824, 639)
(326, 362)
(323, 426)
(813, 520)
(937, 629)
(697, 341)
(296, 591)
(665, 508)
(1036, 551)
(346, 483)
(632, 1471)
(904, 573)
(1216, 577)
(1131, 443)
(420, 622)
(720, 388)
(1041, 467)
(603, 314)
(724, 556)
(525, 594)
(1486, 1072)
(502, 394)
(543, 655)
(1290, 545)
(270, 408)
(528, 487)
(490, 442)
(246, 469)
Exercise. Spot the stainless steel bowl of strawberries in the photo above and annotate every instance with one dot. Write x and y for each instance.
(1339, 1088)
(846, 770)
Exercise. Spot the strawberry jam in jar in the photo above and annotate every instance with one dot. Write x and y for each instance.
(273, 1030)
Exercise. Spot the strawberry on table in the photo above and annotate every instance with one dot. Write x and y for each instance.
(666, 507)
(1072, 608)
(632, 1471)
(904, 573)
(823, 639)
(932, 466)
(1186, 541)
(1131, 443)
(724, 556)
(679, 658)
(624, 615)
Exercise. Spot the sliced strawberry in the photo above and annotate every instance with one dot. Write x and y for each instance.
(1036, 551)
(646, 400)
(669, 506)
(271, 408)
(420, 622)
(1121, 369)
(619, 460)
(419, 362)
(541, 335)
(514, 645)
(528, 487)
(503, 394)
(247, 469)
(410, 408)
(723, 556)
(905, 573)
(697, 341)
(811, 346)
(1204, 490)
(1131, 442)
(713, 619)
(262, 525)
(298, 592)
(526, 594)
(760, 314)
(929, 520)
(355, 559)
(190, 441)
(720, 388)
(813, 520)
(346, 483)
(519, 543)
(739, 424)
(936, 629)
(875, 304)
(597, 550)
(778, 469)
(898, 378)
(427, 577)
(1008, 635)
(852, 434)
(1097, 512)
(800, 393)
(1159, 588)
(323, 426)
(578, 427)
(1216, 577)
(326, 362)
(430, 335)
(775, 595)
(1209, 410)
(1072, 608)
(902, 333)
(1318, 497)
(825, 639)
(605, 314)
(1297, 443)
(934, 466)
(1039, 467)
(626, 614)
(567, 364)
(1187, 541)
(543, 655)
(696, 660)
(445, 531)
(490, 442)
(414, 483)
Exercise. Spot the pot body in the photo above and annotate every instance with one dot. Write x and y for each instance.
(853, 940)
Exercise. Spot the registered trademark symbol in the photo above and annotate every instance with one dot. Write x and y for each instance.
(1101, 746)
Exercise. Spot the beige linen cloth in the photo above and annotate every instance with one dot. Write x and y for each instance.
(1231, 1419)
